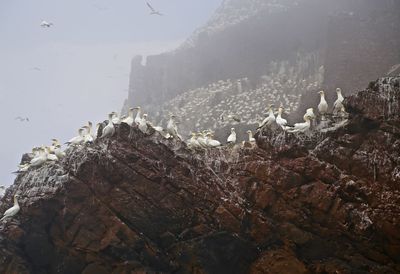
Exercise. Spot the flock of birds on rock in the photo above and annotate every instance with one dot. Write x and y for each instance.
(203, 139)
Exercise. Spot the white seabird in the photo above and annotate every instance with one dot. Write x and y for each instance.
(172, 128)
(192, 142)
(45, 24)
(77, 139)
(232, 137)
(109, 129)
(50, 156)
(338, 105)
(301, 127)
(87, 137)
(323, 105)
(210, 142)
(129, 120)
(309, 113)
(201, 139)
(13, 210)
(58, 152)
(116, 119)
(143, 123)
(251, 138)
(138, 114)
(40, 159)
(269, 120)
(279, 120)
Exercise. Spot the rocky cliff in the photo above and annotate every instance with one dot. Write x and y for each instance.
(279, 50)
(323, 202)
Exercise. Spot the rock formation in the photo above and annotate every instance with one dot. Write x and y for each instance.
(321, 203)
(303, 45)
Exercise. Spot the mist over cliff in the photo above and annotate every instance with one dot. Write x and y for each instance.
(275, 51)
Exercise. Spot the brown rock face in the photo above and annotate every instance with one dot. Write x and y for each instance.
(138, 203)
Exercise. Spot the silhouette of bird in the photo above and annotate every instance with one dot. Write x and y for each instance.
(153, 11)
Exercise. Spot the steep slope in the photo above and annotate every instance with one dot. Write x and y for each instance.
(321, 203)
(313, 44)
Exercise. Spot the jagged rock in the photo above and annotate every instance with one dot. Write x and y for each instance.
(139, 203)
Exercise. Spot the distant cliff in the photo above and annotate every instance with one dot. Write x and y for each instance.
(314, 44)
(325, 202)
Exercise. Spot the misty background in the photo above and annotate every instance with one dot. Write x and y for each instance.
(77, 70)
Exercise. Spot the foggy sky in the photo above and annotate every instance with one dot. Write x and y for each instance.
(77, 70)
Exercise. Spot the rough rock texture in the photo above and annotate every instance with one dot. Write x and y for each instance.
(324, 203)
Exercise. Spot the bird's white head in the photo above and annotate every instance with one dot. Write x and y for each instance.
(232, 129)
(144, 116)
(248, 132)
(339, 90)
(321, 92)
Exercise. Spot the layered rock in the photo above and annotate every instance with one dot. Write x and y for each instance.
(137, 203)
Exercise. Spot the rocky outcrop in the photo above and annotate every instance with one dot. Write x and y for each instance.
(138, 203)
(314, 44)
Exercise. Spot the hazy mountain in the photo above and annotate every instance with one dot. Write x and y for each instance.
(279, 50)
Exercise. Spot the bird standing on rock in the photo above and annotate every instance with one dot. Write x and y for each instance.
(270, 120)
(109, 129)
(13, 210)
(232, 137)
(338, 105)
(323, 105)
(279, 120)
(172, 128)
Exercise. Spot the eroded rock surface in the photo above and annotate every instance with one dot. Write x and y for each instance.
(324, 203)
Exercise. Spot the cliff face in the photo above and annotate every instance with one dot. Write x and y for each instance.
(314, 44)
(323, 203)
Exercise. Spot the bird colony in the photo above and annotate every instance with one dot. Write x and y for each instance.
(199, 140)
(218, 104)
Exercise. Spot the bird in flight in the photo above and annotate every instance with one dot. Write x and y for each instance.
(153, 11)
(45, 24)
(21, 119)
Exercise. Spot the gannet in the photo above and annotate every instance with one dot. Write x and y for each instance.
(269, 120)
(129, 120)
(309, 113)
(201, 139)
(192, 142)
(338, 105)
(40, 159)
(159, 129)
(301, 127)
(45, 24)
(153, 11)
(210, 142)
(143, 123)
(279, 120)
(138, 114)
(116, 119)
(13, 210)
(87, 136)
(232, 137)
(77, 139)
(50, 156)
(109, 129)
(58, 152)
(21, 119)
(323, 105)
(251, 138)
(172, 128)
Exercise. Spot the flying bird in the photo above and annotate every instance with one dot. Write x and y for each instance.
(22, 119)
(153, 11)
(45, 24)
